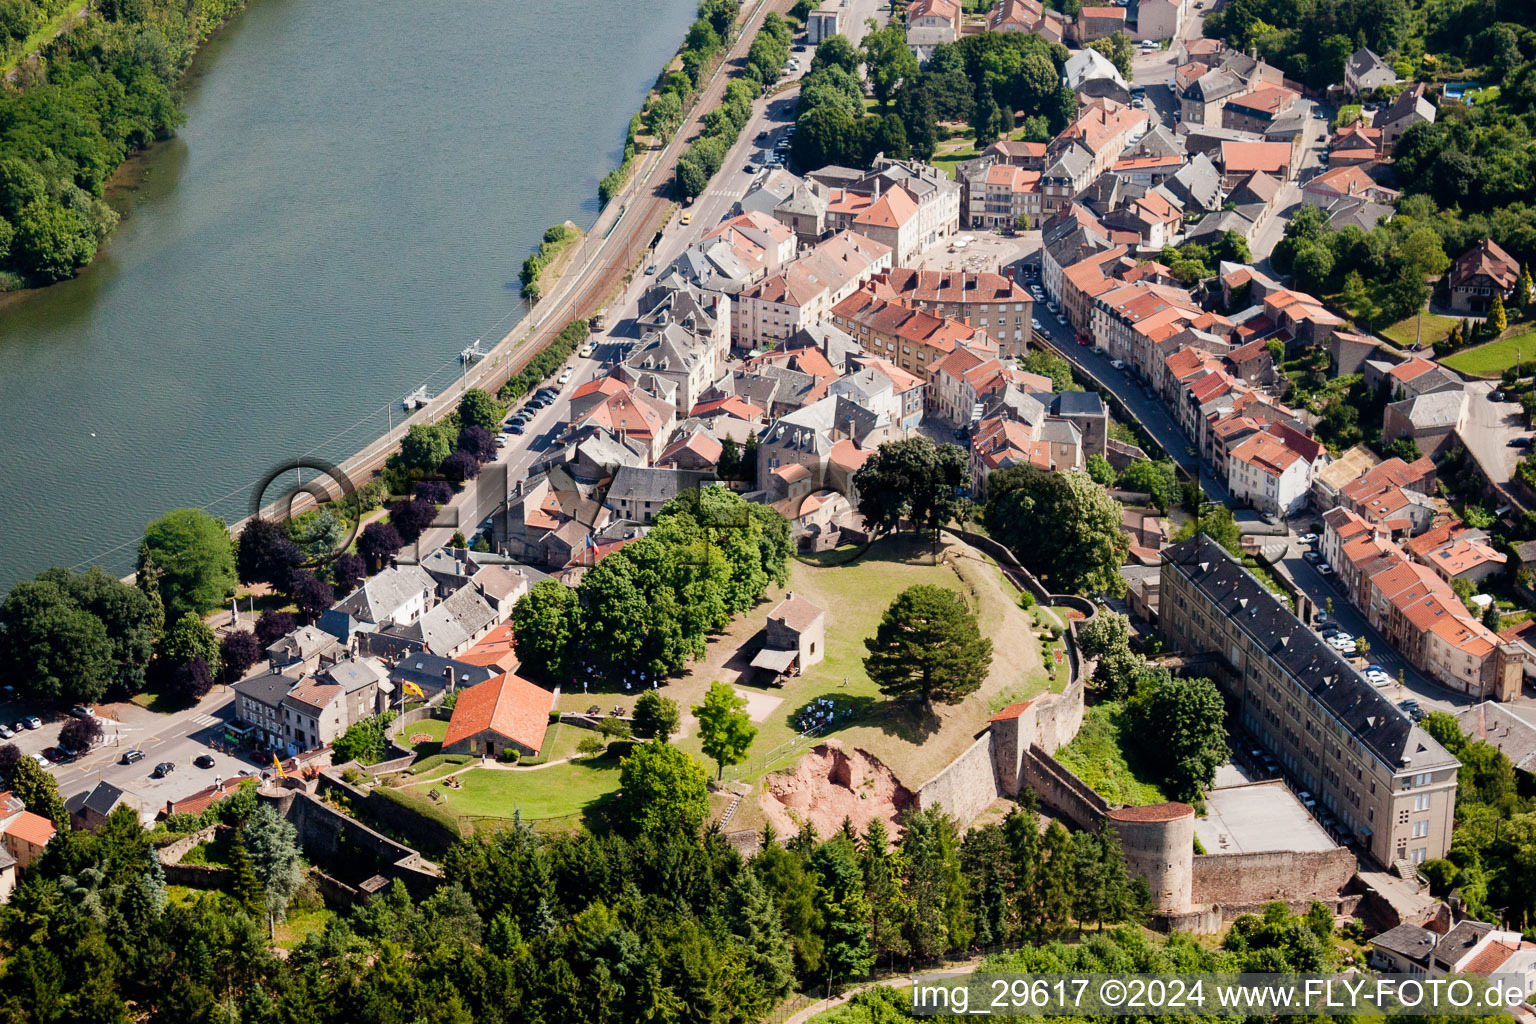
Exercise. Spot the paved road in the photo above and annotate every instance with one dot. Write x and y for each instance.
(1491, 426)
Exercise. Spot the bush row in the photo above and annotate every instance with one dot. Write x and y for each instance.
(555, 240)
(722, 126)
(544, 365)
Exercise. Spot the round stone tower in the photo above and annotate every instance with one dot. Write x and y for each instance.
(1159, 845)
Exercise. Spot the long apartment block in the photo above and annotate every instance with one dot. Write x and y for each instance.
(1384, 778)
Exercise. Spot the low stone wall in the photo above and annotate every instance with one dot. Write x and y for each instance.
(171, 853)
(329, 836)
(1272, 875)
(1063, 791)
(966, 787)
(197, 876)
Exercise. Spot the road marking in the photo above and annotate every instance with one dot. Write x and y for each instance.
(206, 719)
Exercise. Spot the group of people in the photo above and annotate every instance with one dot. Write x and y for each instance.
(820, 713)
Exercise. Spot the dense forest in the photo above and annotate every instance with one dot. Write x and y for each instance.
(71, 112)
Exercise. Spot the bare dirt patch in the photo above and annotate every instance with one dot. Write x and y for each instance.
(831, 784)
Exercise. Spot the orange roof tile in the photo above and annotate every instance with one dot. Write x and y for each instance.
(508, 705)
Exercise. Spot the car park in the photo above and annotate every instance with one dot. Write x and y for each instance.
(163, 769)
(132, 757)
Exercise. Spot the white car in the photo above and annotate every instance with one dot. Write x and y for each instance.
(565, 376)
(1035, 324)
(1378, 678)
(1325, 569)
(585, 351)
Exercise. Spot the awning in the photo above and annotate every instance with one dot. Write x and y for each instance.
(775, 661)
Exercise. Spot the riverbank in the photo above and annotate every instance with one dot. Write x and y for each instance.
(55, 214)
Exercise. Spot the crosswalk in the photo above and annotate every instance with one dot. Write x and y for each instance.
(205, 719)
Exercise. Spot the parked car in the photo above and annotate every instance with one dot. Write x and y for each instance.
(163, 769)
(33, 722)
(1117, 364)
(5, 732)
(516, 428)
(81, 711)
(55, 755)
(1520, 442)
(566, 375)
(1036, 325)
(687, 217)
(1325, 569)
(650, 269)
(1495, 396)
(1378, 678)
(1312, 557)
(586, 351)
(1416, 713)
(1309, 538)
(132, 757)
(203, 760)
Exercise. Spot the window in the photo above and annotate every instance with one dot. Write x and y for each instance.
(1421, 802)
(1420, 829)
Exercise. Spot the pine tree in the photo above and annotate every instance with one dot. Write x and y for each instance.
(1057, 879)
(844, 910)
(1088, 896)
(729, 464)
(749, 459)
(245, 886)
(755, 920)
(883, 869)
(1021, 835)
(1497, 320)
(984, 856)
(939, 917)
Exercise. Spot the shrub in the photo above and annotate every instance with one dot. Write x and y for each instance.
(509, 756)
(1026, 599)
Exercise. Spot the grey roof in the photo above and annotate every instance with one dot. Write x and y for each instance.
(1089, 65)
(809, 199)
(267, 688)
(1441, 409)
(1503, 727)
(450, 624)
(1059, 431)
(768, 192)
(1077, 403)
(1368, 716)
(104, 798)
(1363, 61)
(1215, 85)
(1220, 223)
(302, 644)
(756, 389)
(632, 483)
(793, 385)
(1460, 941)
(836, 175)
(1160, 141)
(353, 675)
(1287, 125)
(1071, 164)
(1197, 184)
(1357, 210)
(427, 670)
(381, 596)
(1411, 105)
(1408, 940)
(835, 343)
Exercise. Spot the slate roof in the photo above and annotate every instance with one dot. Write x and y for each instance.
(1408, 940)
(635, 484)
(427, 670)
(268, 688)
(1372, 719)
(1077, 403)
(103, 798)
(383, 594)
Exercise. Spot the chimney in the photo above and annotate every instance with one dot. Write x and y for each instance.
(448, 679)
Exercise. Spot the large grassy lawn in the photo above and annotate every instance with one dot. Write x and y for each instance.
(561, 791)
(1494, 358)
(1406, 332)
(1098, 756)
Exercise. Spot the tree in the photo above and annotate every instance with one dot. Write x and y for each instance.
(1159, 479)
(378, 544)
(81, 734)
(265, 553)
(656, 717)
(1117, 48)
(52, 647)
(664, 791)
(928, 645)
(273, 626)
(433, 492)
(458, 468)
(190, 638)
(1049, 364)
(836, 51)
(725, 729)
(411, 518)
(939, 917)
(425, 446)
(365, 741)
(757, 925)
(1446, 730)
(663, 115)
(1498, 322)
(192, 558)
(238, 651)
(1216, 522)
(311, 594)
(1523, 289)
(844, 909)
(191, 680)
(888, 61)
(1100, 470)
(272, 844)
(347, 571)
(1063, 522)
(245, 887)
(1180, 726)
(38, 791)
(10, 753)
(477, 442)
(544, 628)
(914, 479)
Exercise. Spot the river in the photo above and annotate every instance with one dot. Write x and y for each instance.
(345, 209)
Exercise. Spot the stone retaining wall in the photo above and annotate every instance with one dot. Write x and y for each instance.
(1272, 875)
(966, 787)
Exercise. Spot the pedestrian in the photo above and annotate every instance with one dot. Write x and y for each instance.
(845, 680)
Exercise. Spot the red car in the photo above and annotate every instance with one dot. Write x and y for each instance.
(1082, 339)
(55, 755)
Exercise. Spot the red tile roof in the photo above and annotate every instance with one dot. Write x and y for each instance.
(494, 650)
(31, 828)
(508, 705)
